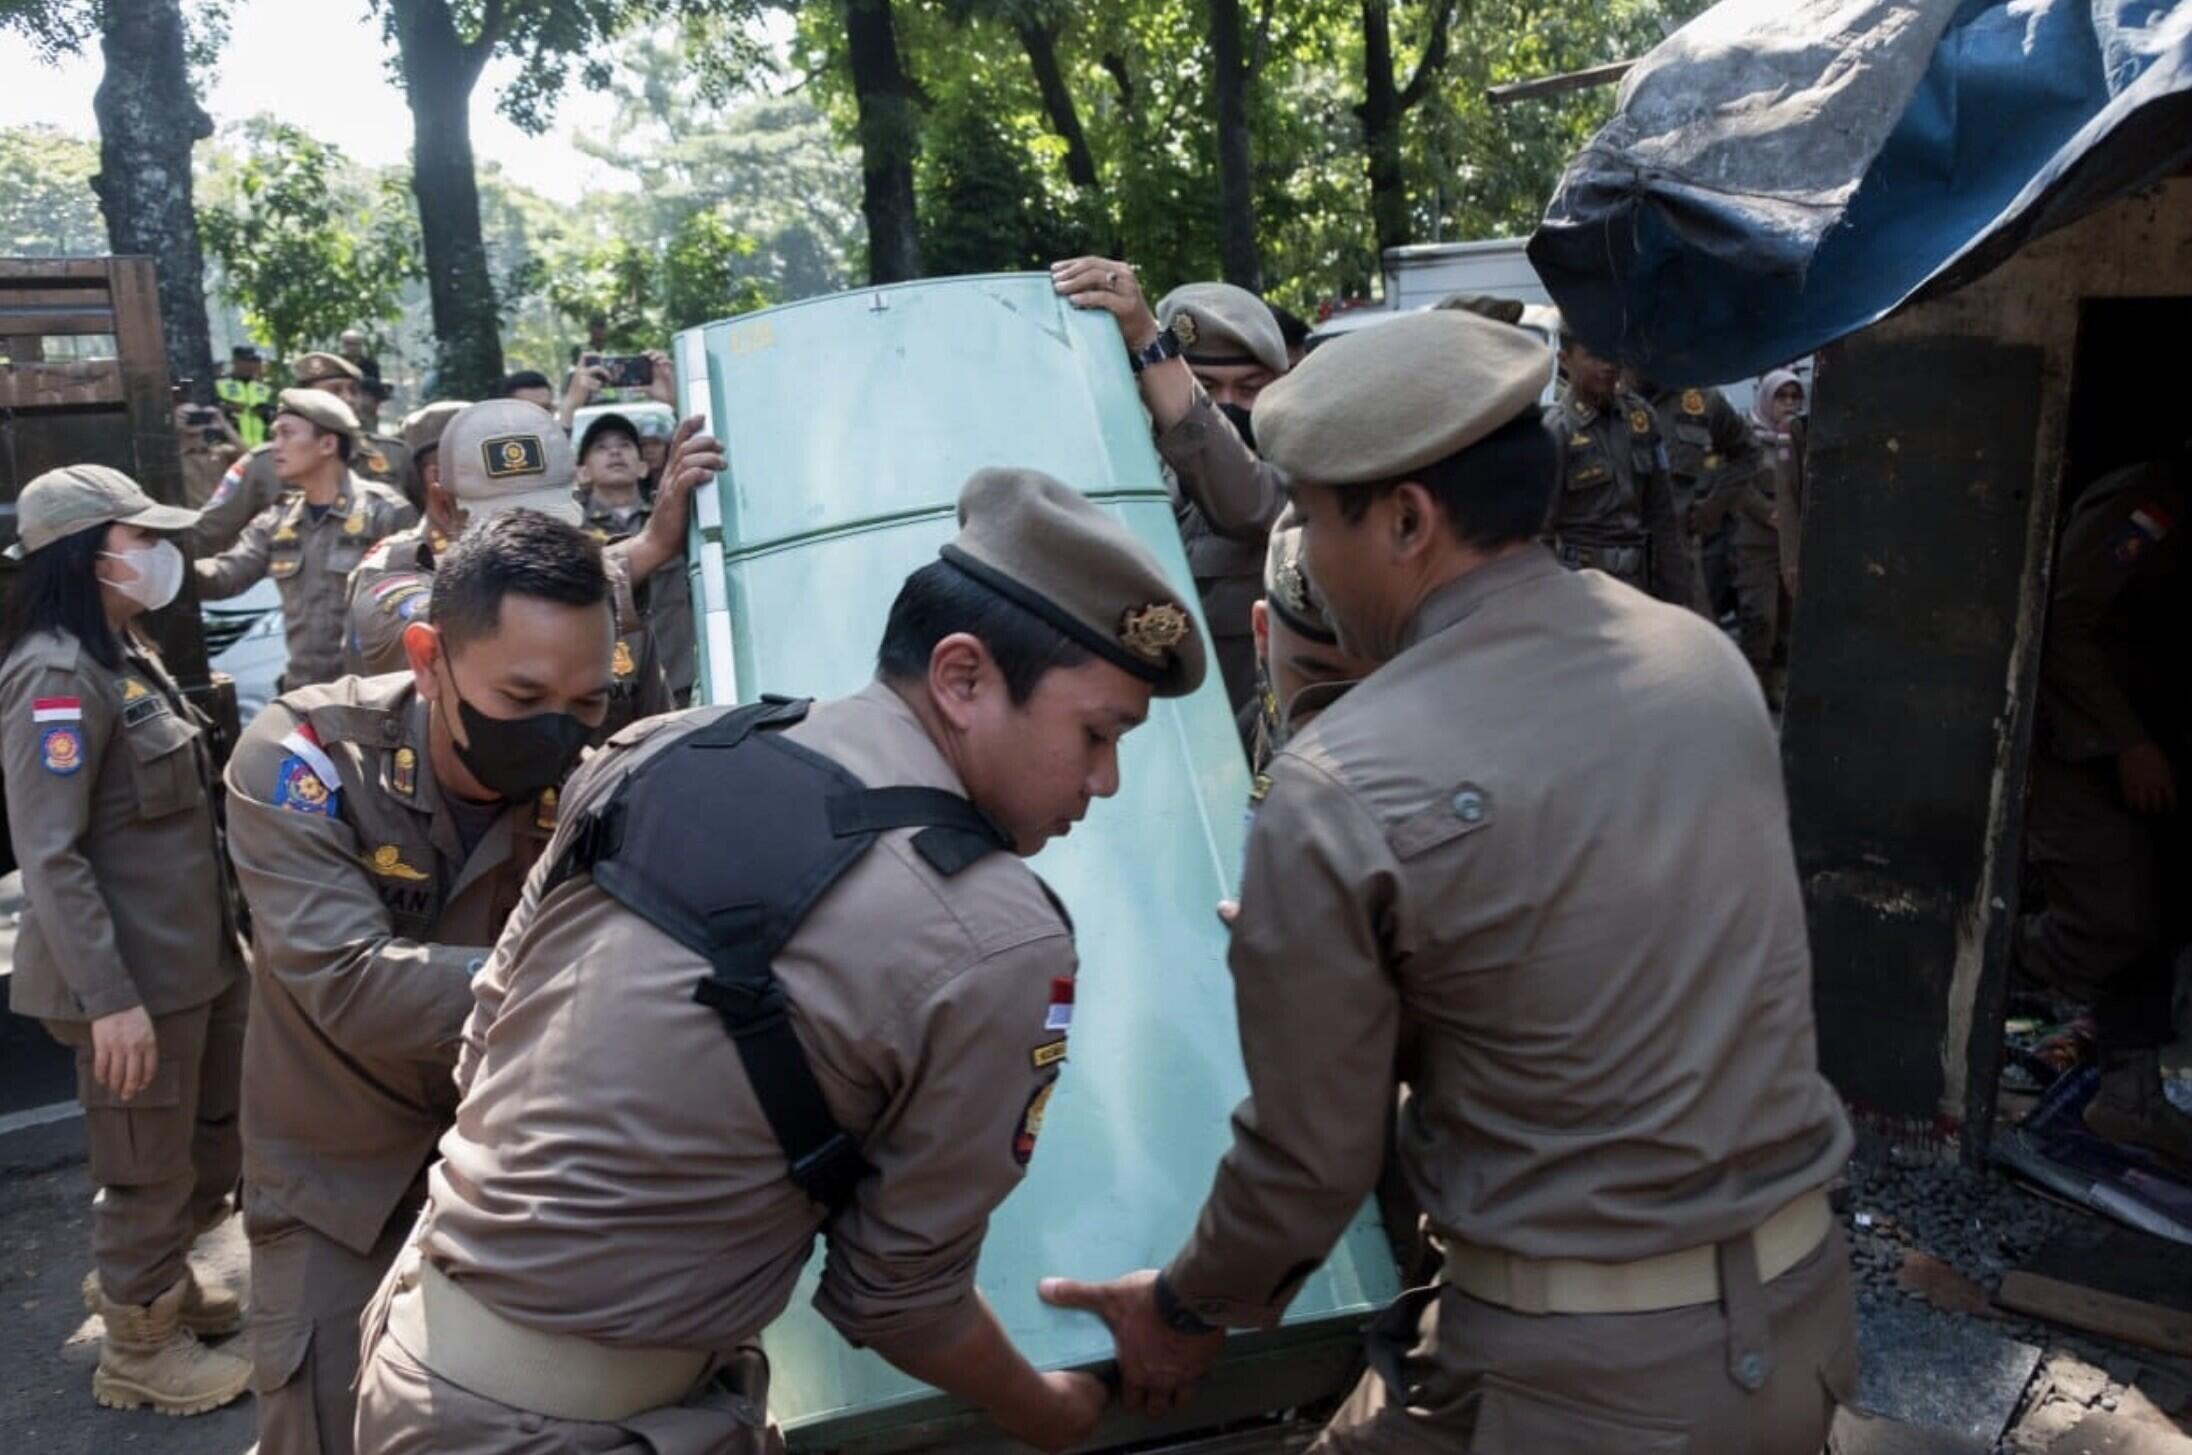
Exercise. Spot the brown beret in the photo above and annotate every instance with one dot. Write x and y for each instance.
(1286, 585)
(1051, 550)
(1500, 310)
(321, 408)
(1217, 323)
(311, 369)
(1379, 402)
(423, 426)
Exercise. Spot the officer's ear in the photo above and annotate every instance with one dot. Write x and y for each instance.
(1412, 517)
(422, 652)
(958, 666)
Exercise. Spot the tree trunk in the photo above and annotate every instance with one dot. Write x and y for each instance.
(148, 122)
(1385, 102)
(889, 139)
(1237, 254)
(439, 72)
(1041, 43)
(1380, 113)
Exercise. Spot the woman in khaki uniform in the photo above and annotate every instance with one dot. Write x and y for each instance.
(128, 950)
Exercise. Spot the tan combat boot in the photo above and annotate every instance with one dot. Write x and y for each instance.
(209, 1311)
(2130, 1108)
(151, 1359)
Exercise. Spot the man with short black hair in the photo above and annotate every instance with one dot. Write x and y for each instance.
(311, 538)
(382, 829)
(1613, 1114)
(530, 385)
(615, 1284)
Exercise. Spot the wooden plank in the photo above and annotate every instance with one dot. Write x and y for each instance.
(81, 295)
(143, 348)
(70, 382)
(58, 269)
(2118, 1260)
(2106, 1433)
(51, 320)
(2148, 1325)
(1556, 85)
(22, 348)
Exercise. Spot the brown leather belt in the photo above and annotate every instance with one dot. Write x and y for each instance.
(563, 1376)
(1671, 1280)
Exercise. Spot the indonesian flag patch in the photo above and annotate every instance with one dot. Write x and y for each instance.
(57, 709)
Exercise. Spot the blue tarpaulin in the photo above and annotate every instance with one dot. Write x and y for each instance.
(1781, 173)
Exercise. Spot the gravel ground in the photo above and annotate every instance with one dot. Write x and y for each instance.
(1982, 1225)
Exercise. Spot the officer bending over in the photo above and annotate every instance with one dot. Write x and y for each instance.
(843, 1016)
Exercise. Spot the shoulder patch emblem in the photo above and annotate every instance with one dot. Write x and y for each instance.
(132, 689)
(1060, 1015)
(621, 664)
(229, 482)
(354, 523)
(1693, 401)
(544, 812)
(307, 782)
(1640, 421)
(61, 750)
(375, 461)
(387, 861)
(1031, 1122)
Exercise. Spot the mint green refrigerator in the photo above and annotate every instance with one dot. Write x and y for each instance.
(850, 423)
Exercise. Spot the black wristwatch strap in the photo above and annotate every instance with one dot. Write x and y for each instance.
(1166, 345)
(1177, 1316)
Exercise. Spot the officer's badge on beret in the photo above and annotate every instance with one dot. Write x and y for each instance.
(1693, 401)
(1640, 422)
(1183, 329)
(513, 454)
(1151, 631)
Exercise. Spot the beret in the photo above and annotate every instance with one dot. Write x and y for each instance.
(1286, 584)
(423, 426)
(320, 408)
(1379, 402)
(1217, 323)
(1052, 551)
(312, 368)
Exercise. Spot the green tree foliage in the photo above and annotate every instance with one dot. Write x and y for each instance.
(47, 207)
(307, 245)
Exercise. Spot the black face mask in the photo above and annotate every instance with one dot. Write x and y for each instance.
(516, 758)
(1241, 424)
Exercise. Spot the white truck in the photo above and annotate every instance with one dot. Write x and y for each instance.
(1419, 275)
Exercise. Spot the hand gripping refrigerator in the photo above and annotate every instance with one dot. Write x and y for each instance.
(850, 423)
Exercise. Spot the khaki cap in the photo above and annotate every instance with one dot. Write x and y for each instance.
(506, 454)
(1375, 404)
(311, 369)
(1048, 548)
(320, 408)
(422, 427)
(1286, 584)
(76, 497)
(1217, 323)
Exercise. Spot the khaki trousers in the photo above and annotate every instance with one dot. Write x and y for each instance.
(165, 1159)
(403, 1409)
(1760, 1373)
(307, 1293)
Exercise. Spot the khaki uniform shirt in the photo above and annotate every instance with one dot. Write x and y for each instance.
(311, 561)
(1616, 494)
(1713, 458)
(251, 485)
(667, 606)
(1592, 939)
(110, 804)
(368, 921)
(1225, 498)
(643, 1200)
(2112, 673)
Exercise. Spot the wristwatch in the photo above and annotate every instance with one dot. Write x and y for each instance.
(1176, 1315)
(1166, 345)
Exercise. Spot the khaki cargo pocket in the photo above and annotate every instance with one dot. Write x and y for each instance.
(162, 765)
(727, 1415)
(281, 1376)
(278, 1349)
(1515, 1420)
(137, 1142)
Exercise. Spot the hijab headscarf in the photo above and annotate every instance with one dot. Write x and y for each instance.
(1762, 419)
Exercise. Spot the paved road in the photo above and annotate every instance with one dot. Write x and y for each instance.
(48, 1344)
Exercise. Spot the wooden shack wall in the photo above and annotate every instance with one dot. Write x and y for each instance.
(1936, 464)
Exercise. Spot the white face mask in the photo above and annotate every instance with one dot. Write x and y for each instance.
(159, 569)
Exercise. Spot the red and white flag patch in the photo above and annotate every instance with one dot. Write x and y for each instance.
(305, 743)
(57, 709)
(1060, 1017)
